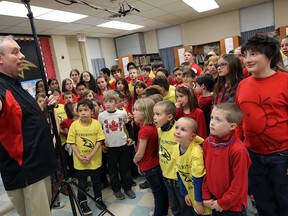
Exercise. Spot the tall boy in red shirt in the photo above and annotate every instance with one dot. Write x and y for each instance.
(263, 97)
(225, 186)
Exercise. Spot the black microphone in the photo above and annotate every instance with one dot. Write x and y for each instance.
(131, 7)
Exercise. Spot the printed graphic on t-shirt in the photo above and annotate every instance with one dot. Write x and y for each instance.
(185, 176)
(258, 112)
(113, 126)
(164, 153)
(87, 143)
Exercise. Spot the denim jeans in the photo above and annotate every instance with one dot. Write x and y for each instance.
(155, 180)
(268, 177)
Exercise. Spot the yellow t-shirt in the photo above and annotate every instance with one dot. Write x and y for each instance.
(166, 145)
(61, 116)
(131, 88)
(151, 74)
(189, 164)
(85, 138)
(60, 112)
(171, 94)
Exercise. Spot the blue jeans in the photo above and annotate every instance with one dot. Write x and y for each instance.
(155, 180)
(268, 177)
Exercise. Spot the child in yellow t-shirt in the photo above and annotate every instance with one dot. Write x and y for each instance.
(188, 156)
(85, 137)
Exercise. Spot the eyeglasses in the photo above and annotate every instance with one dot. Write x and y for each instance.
(221, 65)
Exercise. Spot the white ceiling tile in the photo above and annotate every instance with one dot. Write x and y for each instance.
(154, 14)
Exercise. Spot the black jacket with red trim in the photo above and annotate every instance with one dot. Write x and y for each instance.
(27, 153)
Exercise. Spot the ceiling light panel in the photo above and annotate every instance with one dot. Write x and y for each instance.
(120, 25)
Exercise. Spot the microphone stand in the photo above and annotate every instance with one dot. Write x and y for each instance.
(58, 147)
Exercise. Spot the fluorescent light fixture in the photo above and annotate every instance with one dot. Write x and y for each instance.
(19, 10)
(61, 16)
(202, 5)
(120, 25)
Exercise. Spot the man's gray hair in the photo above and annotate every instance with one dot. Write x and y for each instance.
(2, 39)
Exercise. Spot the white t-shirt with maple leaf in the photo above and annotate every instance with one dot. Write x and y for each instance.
(113, 127)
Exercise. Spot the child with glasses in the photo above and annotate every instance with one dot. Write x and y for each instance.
(229, 75)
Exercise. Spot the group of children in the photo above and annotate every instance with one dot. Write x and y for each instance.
(189, 140)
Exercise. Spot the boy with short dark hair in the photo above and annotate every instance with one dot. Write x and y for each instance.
(167, 90)
(116, 72)
(263, 98)
(145, 71)
(225, 186)
(81, 88)
(85, 137)
(113, 122)
(67, 97)
(204, 88)
(189, 77)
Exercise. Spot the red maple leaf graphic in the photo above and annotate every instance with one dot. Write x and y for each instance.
(113, 126)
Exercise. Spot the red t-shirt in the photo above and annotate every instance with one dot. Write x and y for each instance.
(198, 116)
(197, 68)
(264, 103)
(151, 157)
(66, 123)
(205, 104)
(148, 82)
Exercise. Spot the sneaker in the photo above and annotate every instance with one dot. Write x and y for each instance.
(134, 183)
(144, 185)
(58, 205)
(119, 195)
(100, 203)
(130, 193)
(85, 208)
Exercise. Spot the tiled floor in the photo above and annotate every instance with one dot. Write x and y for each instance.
(140, 206)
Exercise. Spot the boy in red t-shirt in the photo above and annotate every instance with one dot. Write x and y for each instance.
(225, 186)
(204, 88)
(263, 97)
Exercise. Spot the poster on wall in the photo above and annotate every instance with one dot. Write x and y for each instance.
(30, 86)
(31, 70)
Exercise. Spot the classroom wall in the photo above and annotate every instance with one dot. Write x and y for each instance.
(129, 44)
(281, 13)
(255, 17)
(108, 51)
(74, 52)
(211, 29)
(169, 37)
(60, 56)
(151, 42)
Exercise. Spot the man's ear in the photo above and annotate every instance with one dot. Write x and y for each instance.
(233, 126)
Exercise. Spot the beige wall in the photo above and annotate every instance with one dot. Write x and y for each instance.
(151, 42)
(73, 47)
(211, 29)
(108, 51)
(61, 57)
(281, 13)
